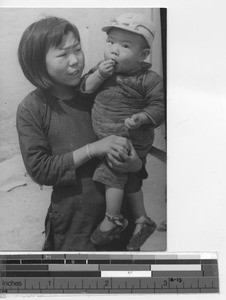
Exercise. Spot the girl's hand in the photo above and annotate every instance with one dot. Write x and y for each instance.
(116, 146)
(106, 68)
(131, 163)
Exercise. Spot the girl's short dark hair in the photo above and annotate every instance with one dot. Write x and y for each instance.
(35, 42)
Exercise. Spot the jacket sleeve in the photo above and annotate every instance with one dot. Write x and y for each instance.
(154, 98)
(82, 84)
(43, 167)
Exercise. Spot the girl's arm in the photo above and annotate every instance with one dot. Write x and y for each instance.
(42, 165)
(46, 168)
(114, 146)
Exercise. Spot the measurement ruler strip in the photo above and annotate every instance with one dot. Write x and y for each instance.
(44, 285)
(84, 273)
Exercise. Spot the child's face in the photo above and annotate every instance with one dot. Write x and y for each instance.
(126, 49)
(65, 64)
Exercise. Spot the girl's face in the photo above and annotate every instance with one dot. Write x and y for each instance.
(125, 49)
(65, 63)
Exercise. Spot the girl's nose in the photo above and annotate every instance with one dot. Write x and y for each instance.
(73, 59)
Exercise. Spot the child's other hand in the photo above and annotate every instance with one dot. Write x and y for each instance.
(134, 122)
(106, 68)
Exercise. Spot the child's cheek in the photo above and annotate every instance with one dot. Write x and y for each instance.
(107, 51)
(106, 55)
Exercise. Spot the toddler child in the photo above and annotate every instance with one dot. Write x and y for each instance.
(129, 103)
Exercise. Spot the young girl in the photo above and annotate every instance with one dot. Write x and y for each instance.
(56, 136)
(129, 103)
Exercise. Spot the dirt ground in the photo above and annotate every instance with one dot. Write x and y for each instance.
(23, 205)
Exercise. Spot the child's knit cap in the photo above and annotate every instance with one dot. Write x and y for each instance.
(136, 23)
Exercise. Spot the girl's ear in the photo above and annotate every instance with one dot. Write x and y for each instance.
(144, 53)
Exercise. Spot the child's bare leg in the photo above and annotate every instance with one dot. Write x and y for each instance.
(114, 198)
(144, 225)
(136, 203)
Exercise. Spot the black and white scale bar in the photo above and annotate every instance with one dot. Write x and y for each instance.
(104, 261)
(109, 273)
(106, 258)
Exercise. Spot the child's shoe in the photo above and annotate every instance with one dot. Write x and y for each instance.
(147, 227)
(100, 237)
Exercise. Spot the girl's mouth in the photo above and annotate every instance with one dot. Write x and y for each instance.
(76, 72)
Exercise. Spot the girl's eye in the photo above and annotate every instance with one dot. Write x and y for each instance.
(110, 42)
(61, 54)
(125, 46)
